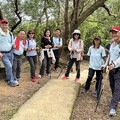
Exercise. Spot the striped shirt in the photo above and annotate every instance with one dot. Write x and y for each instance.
(6, 41)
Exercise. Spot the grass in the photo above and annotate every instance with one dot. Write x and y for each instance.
(10, 112)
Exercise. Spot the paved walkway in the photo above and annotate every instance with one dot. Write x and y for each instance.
(54, 101)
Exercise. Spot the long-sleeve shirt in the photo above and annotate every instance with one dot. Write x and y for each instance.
(79, 46)
(45, 41)
(6, 41)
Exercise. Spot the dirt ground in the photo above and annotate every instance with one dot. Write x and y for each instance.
(85, 104)
(11, 98)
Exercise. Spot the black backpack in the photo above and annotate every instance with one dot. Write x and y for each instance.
(25, 51)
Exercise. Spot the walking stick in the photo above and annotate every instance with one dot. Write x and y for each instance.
(98, 100)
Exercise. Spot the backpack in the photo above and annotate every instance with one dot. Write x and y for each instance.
(25, 51)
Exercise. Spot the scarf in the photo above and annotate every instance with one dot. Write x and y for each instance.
(17, 42)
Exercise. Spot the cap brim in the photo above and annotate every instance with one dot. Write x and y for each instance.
(97, 38)
(114, 30)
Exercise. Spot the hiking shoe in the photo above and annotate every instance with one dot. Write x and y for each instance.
(112, 112)
(39, 76)
(76, 79)
(14, 84)
(36, 77)
(65, 77)
(83, 91)
(33, 80)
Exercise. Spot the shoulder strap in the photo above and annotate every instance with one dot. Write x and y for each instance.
(10, 36)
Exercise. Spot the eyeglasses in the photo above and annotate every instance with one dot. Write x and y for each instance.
(31, 33)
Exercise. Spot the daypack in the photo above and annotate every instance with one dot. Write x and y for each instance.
(25, 51)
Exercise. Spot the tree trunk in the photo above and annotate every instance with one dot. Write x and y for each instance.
(66, 23)
(76, 17)
(1, 15)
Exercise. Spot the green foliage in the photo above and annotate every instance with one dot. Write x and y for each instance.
(99, 23)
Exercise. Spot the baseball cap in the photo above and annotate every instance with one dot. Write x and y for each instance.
(76, 31)
(4, 21)
(97, 37)
(115, 28)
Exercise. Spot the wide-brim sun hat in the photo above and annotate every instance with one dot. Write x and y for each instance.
(76, 31)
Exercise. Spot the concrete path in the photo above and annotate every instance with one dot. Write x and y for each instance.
(54, 101)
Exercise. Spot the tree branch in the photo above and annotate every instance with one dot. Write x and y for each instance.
(18, 15)
(90, 10)
(108, 11)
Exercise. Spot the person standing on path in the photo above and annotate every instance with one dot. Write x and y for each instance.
(18, 52)
(76, 49)
(6, 52)
(113, 63)
(46, 60)
(57, 41)
(97, 55)
(31, 54)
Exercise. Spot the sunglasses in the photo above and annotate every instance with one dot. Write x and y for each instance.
(76, 34)
(31, 33)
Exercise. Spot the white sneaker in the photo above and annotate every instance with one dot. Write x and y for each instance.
(39, 76)
(112, 112)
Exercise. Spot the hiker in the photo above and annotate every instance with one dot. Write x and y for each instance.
(57, 41)
(97, 55)
(113, 62)
(46, 53)
(6, 52)
(18, 52)
(31, 54)
(75, 47)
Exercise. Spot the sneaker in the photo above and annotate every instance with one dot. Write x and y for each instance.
(39, 76)
(14, 84)
(49, 75)
(19, 79)
(112, 112)
(76, 79)
(83, 91)
(36, 77)
(33, 80)
(65, 77)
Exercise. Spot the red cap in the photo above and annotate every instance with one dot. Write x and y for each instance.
(115, 28)
(4, 21)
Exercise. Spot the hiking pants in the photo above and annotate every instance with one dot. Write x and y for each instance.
(70, 64)
(17, 63)
(45, 65)
(57, 56)
(33, 62)
(116, 90)
(91, 73)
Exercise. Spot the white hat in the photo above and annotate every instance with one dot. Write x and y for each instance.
(76, 31)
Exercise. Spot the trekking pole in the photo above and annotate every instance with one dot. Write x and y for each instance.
(101, 93)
